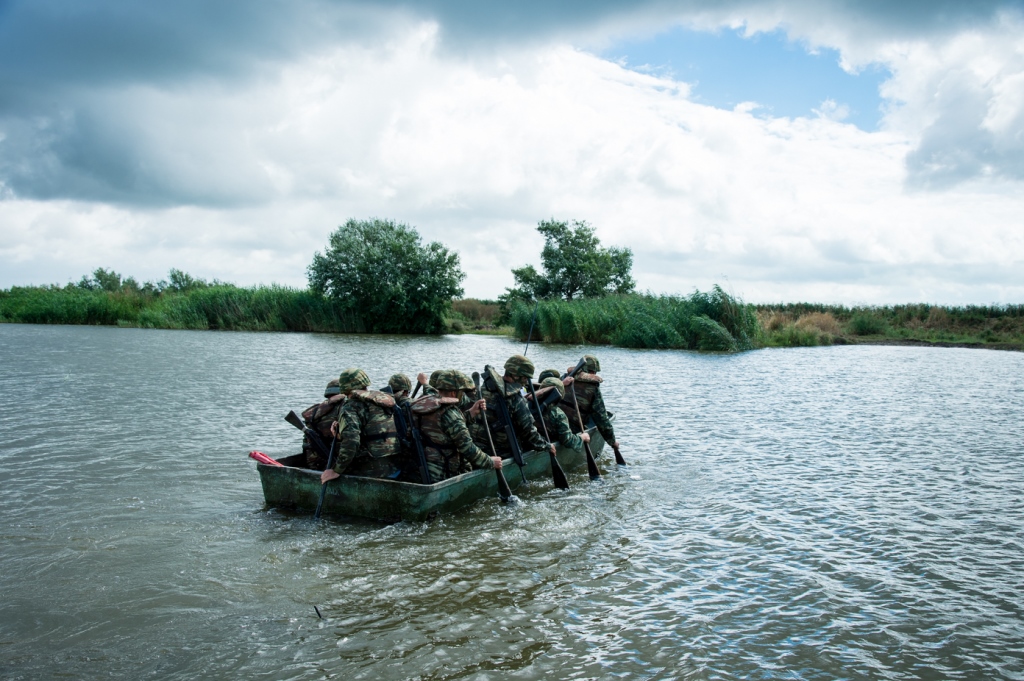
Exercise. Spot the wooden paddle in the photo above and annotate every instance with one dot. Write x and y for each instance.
(503, 489)
(592, 468)
(557, 474)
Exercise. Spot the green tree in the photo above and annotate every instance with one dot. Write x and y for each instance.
(183, 282)
(574, 265)
(381, 272)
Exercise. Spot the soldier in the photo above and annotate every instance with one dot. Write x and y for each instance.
(400, 386)
(586, 391)
(518, 370)
(369, 441)
(320, 418)
(446, 440)
(555, 418)
(547, 373)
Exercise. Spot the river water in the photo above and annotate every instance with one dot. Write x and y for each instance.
(820, 513)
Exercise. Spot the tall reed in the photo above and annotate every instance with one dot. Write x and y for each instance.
(261, 308)
(701, 321)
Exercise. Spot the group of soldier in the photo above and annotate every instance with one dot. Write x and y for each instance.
(457, 425)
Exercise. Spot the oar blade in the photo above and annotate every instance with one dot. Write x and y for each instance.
(504, 491)
(557, 474)
(592, 469)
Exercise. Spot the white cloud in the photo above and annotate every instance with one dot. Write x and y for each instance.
(474, 152)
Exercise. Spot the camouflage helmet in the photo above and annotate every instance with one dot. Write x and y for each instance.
(433, 378)
(453, 379)
(519, 366)
(332, 389)
(399, 382)
(547, 373)
(353, 379)
(554, 382)
(590, 364)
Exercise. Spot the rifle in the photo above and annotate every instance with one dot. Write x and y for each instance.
(421, 454)
(510, 433)
(550, 399)
(576, 370)
(410, 436)
(503, 489)
(557, 474)
(314, 437)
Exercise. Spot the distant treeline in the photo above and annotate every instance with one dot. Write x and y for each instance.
(711, 320)
(184, 302)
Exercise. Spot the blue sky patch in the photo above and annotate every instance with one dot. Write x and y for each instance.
(725, 69)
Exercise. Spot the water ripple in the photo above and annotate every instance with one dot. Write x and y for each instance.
(824, 513)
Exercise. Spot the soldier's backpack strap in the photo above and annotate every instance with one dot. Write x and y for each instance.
(428, 404)
(375, 397)
(308, 415)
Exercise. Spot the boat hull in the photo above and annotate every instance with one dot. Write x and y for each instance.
(296, 488)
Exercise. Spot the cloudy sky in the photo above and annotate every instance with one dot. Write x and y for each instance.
(854, 152)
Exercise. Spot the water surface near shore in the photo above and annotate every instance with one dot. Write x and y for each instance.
(819, 513)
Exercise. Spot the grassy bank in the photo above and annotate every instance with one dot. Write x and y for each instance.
(221, 306)
(804, 324)
(716, 321)
(701, 321)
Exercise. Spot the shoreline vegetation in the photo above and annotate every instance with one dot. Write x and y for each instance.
(708, 321)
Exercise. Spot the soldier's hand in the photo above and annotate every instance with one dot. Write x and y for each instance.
(422, 378)
(497, 461)
(585, 437)
(615, 445)
(478, 406)
(567, 381)
(327, 476)
(334, 429)
(551, 448)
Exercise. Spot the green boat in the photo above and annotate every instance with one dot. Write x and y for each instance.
(293, 487)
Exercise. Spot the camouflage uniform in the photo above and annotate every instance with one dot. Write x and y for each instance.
(319, 418)
(522, 420)
(369, 441)
(555, 419)
(446, 440)
(587, 387)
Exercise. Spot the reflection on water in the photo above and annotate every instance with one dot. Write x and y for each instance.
(849, 512)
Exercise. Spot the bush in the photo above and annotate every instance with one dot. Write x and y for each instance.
(704, 321)
(863, 324)
(380, 274)
(478, 311)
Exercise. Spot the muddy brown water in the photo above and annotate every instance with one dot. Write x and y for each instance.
(846, 512)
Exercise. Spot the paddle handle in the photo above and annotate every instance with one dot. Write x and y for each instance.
(592, 468)
(323, 487)
(557, 474)
(503, 489)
